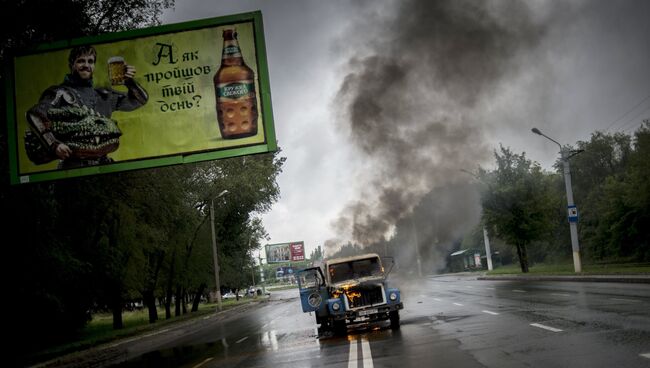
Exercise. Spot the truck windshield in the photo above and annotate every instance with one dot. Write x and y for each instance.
(355, 269)
(309, 279)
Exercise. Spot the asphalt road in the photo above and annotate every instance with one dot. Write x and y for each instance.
(450, 321)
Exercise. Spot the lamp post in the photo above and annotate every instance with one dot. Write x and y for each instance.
(215, 256)
(572, 210)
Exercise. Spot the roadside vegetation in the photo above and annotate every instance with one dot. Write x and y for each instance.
(86, 249)
(524, 207)
(100, 329)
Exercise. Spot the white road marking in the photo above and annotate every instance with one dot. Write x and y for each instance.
(367, 354)
(207, 317)
(203, 362)
(241, 340)
(624, 300)
(560, 294)
(458, 304)
(438, 300)
(646, 355)
(489, 288)
(469, 287)
(546, 327)
(352, 358)
(270, 340)
(490, 312)
(518, 291)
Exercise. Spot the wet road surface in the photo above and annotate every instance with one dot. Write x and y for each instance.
(450, 321)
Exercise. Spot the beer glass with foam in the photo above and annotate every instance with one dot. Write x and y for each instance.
(116, 70)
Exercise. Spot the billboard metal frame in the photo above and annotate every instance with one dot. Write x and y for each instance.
(268, 145)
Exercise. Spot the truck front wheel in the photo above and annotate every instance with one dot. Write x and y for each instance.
(340, 329)
(394, 320)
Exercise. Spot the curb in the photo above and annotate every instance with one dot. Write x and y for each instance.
(635, 279)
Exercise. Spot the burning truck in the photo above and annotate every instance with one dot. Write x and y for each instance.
(350, 290)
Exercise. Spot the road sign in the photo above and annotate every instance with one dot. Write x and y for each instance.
(573, 213)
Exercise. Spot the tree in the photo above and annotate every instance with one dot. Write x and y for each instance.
(623, 210)
(54, 268)
(603, 158)
(517, 201)
(90, 243)
(316, 254)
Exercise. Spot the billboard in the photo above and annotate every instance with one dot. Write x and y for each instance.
(151, 97)
(285, 252)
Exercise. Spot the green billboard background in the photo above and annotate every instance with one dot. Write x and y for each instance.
(175, 64)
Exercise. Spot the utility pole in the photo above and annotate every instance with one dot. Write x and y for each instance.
(486, 239)
(573, 212)
(488, 254)
(571, 207)
(262, 274)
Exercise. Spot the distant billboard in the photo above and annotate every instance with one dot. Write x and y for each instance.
(151, 97)
(285, 252)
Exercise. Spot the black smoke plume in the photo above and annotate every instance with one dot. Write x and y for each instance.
(414, 96)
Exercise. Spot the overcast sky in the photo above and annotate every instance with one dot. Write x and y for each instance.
(376, 103)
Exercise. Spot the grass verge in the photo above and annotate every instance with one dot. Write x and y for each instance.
(100, 329)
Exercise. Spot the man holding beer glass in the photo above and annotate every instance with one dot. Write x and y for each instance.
(72, 121)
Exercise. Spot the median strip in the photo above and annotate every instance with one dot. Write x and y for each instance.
(546, 327)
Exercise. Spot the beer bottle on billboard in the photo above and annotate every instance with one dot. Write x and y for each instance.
(234, 85)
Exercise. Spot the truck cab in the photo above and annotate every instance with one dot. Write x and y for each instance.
(349, 290)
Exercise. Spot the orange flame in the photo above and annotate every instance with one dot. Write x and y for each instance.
(349, 293)
(352, 295)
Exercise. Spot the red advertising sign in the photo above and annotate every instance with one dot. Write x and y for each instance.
(297, 251)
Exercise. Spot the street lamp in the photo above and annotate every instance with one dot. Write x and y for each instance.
(215, 257)
(573, 211)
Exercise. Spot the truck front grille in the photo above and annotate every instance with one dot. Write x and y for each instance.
(365, 296)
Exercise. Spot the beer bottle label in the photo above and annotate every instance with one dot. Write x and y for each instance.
(231, 51)
(236, 90)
